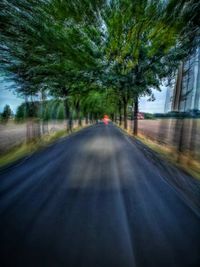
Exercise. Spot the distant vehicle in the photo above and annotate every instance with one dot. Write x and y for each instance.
(106, 119)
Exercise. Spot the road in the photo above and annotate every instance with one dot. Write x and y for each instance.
(94, 200)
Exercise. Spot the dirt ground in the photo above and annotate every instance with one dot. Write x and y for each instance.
(182, 134)
(13, 134)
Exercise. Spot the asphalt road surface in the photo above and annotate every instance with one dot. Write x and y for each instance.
(94, 200)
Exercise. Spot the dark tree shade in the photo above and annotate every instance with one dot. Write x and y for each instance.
(6, 114)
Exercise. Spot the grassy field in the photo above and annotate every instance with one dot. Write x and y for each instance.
(182, 160)
(17, 149)
(14, 134)
(176, 133)
(178, 141)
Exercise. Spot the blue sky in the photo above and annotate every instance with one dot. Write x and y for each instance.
(156, 106)
(7, 96)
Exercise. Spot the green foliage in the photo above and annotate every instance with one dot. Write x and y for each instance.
(6, 114)
(149, 116)
(93, 55)
(60, 112)
(20, 113)
(48, 110)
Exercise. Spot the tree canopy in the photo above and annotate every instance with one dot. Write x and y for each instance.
(97, 56)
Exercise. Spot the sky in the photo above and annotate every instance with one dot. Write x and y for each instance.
(157, 106)
(7, 96)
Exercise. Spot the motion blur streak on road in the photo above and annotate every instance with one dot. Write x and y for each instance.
(94, 200)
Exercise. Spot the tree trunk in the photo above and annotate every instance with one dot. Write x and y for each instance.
(90, 118)
(180, 146)
(96, 117)
(67, 115)
(28, 123)
(193, 140)
(70, 121)
(178, 88)
(120, 114)
(115, 117)
(86, 118)
(125, 113)
(80, 121)
(78, 110)
(44, 122)
(36, 129)
(135, 129)
(32, 123)
(45, 129)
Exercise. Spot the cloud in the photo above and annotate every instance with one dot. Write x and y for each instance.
(156, 106)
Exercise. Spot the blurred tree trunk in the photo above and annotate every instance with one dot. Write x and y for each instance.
(115, 118)
(135, 128)
(120, 113)
(33, 129)
(78, 110)
(45, 129)
(180, 147)
(86, 119)
(193, 140)
(68, 116)
(125, 104)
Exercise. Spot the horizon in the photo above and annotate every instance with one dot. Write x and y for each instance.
(9, 97)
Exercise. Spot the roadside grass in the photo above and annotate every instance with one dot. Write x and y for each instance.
(26, 149)
(17, 152)
(183, 160)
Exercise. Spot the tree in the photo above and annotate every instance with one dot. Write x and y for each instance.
(33, 60)
(141, 48)
(20, 113)
(6, 114)
(125, 47)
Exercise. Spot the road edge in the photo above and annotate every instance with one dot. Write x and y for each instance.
(163, 162)
(40, 147)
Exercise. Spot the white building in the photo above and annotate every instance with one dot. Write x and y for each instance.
(186, 93)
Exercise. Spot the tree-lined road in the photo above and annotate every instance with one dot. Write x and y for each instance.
(94, 200)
